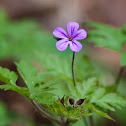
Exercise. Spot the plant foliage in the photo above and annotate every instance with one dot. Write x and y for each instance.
(106, 36)
(109, 37)
(53, 79)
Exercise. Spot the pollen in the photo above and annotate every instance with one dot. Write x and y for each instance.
(70, 39)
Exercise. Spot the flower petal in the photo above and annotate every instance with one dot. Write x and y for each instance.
(80, 34)
(62, 45)
(60, 33)
(75, 46)
(72, 28)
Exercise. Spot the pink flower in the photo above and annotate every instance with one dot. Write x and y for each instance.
(70, 38)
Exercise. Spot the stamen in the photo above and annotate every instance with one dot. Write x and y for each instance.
(70, 38)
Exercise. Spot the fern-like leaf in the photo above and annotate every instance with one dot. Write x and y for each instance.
(106, 36)
(107, 101)
(36, 83)
(10, 78)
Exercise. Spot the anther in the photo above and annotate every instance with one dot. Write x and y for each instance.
(70, 39)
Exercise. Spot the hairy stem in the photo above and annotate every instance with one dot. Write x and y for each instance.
(73, 69)
(65, 122)
(91, 120)
(46, 114)
(118, 78)
(85, 121)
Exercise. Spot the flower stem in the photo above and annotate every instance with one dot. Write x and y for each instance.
(46, 114)
(73, 69)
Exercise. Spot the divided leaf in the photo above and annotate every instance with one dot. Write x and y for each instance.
(10, 78)
(98, 111)
(96, 98)
(83, 90)
(44, 98)
(106, 36)
(56, 65)
(36, 83)
(73, 113)
(107, 101)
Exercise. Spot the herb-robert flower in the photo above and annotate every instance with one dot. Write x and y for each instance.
(70, 38)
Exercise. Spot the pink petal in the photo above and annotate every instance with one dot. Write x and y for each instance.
(75, 46)
(80, 34)
(60, 33)
(72, 28)
(62, 45)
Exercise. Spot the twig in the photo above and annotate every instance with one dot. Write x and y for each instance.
(73, 69)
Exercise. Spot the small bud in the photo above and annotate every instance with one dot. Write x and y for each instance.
(80, 101)
(62, 101)
(72, 101)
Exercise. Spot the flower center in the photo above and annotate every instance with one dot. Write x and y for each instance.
(70, 38)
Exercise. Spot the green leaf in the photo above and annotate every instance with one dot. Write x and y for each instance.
(30, 75)
(123, 58)
(83, 90)
(61, 89)
(98, 111)
(105, 105)
(102, 113)
(73, 113)
(76, 113)
(106, 36)
(36, 82)
(114, 100)
(98, 94)
(7, 87)
(89, 86)
(44, 98)
(10, 78)
(56, 65)
(107, 101)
